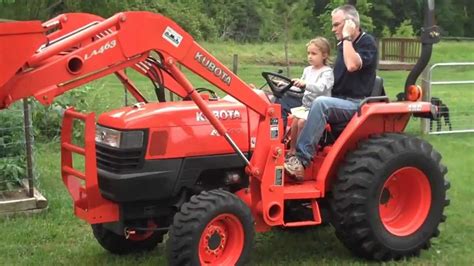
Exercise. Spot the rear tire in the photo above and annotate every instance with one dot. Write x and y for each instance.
(389, 197)
(118, 244)
(213, 228)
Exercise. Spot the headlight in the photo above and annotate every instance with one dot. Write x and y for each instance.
(119, 139)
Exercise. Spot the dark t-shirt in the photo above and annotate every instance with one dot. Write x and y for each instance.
(357, 84)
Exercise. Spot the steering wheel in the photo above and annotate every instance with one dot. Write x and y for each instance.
(280, 84)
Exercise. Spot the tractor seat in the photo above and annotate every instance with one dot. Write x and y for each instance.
(333, 131)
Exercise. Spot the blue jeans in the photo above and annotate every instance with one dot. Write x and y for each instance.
(323, 110)
(287, 102)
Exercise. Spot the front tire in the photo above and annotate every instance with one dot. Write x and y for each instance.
(213, 228)
(389, 197)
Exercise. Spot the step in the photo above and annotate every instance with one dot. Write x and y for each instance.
(305, 190)
(316, 217)
(302, 223)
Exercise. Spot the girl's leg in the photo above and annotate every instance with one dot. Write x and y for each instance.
(301, 123)
(293, 136)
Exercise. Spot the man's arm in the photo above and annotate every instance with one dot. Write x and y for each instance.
(352, 59)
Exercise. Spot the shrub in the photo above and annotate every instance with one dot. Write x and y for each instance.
(12, 149)
(405, 29)
(47, 119)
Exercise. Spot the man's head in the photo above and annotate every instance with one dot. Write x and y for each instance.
(340, 15)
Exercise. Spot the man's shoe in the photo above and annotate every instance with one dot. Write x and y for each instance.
(294, 167)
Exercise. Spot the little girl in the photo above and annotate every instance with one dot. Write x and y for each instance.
(317, 80)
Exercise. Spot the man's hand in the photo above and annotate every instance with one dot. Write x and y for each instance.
(299, 83)
(349, 28)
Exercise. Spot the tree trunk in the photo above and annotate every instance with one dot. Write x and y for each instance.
(287, 59)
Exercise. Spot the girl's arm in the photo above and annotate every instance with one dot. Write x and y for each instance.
(323, 84)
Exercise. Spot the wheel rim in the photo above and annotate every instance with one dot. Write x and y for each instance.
(222, 241)
(405, 201)
(140, 236)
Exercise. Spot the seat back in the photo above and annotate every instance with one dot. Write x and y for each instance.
(378, 89)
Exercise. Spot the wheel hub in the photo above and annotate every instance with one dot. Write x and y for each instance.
(221, 241)
(215, 240)
(405, 201)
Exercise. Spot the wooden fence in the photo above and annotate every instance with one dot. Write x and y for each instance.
(400, 49)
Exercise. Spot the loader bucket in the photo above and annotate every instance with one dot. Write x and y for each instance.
(18, 42)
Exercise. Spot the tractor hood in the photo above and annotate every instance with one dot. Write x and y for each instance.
(172, 114)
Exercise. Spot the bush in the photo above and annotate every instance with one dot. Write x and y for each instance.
(12, 147)
(12, 171)
(405, 29)
(46, 127)
(47, 119)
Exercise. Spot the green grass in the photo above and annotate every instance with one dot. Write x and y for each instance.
(58, 237)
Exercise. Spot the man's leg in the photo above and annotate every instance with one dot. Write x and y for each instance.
(323, 110)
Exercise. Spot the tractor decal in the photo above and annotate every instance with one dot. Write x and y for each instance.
(220, 114)
(172, 36)
(101, 50)
(211, 66)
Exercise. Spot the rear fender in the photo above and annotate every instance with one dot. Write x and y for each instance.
(373, 118)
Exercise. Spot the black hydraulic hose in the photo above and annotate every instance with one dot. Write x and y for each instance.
(429, 36)
(420, 65)
(159, 88)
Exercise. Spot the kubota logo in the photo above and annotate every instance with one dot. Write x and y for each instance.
(211, 66)
(221, 115)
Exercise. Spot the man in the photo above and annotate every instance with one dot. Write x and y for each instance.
(354, 76)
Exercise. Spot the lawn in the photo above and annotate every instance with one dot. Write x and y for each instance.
(57, 237)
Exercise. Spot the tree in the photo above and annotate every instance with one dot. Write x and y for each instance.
(293, 13)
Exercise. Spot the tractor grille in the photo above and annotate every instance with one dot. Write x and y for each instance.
(118, 160)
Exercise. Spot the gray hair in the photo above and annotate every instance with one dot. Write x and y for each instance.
(350, 12)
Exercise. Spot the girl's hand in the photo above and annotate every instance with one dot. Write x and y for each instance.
(299, 83)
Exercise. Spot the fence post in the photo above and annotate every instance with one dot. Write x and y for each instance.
(402, 50)
(235, 63)
(384, 48)
(426, 90)
(28, 143)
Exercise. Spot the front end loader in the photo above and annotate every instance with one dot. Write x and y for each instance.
(208, 171)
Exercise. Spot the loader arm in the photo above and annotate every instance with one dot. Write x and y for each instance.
(126, 41)
(48, 69)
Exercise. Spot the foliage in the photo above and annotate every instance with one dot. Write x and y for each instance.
(12, 171)
(47, 119)
(252, 21)
(405, 29)
(385, 32)
(12, 148)
(46, 122)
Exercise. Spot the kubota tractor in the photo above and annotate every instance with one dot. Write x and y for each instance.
(209, 171)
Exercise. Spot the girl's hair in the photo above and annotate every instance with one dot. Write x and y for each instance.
(323, 46)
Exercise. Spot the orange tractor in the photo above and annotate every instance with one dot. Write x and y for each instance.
(208, 171)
